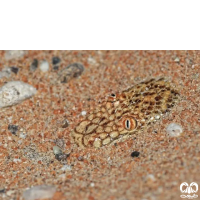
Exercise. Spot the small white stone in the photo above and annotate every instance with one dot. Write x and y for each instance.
(91, 60)
(152, 118)
(92, 184)
(174, 130)
(157, 116)
(13, 54)
(22, 135)
(83, 113)
(57, 150)
(10, 138)
(39, 192)
(193, 66)
(44, 66)
(177, 59)
(5, 145)
(66, 168)
(10, 192)
(15, 160)
(15, 92)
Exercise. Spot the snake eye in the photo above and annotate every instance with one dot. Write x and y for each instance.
(129, 123)
(113, 95)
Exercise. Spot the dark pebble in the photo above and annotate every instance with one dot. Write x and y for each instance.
(65, 123)
(2, 190)
(71, 71)
(55, 68)
(135, 154)
(13, 129)
(34, 65)
(14, 70)
(61, 156)
(55, 60)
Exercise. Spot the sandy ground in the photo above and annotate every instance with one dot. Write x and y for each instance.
(110, 172)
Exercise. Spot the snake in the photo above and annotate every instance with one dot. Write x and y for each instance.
(126, 113)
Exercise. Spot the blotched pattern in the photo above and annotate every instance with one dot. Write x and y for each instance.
(126, 113)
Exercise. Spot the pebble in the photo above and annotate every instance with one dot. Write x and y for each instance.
(55, 60)
(83, 113)
(71, 71)
(22, 135)
(174, 130)
(39, 192)
(14, 69)
(10, 138)
(135, 154)
(16, 160)
(55, 68)
(34, 65)
(59, 155)
(15, 92)
(65, 123)
(57, 150)
(44, 66)
(6, 72)
(13, 129)
(92, 184)
(13, 54)
(91, 60)
(10, 192)
(177, 59)
(2, 190)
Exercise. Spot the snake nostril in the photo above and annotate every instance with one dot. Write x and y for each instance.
(113, 95)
